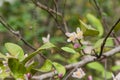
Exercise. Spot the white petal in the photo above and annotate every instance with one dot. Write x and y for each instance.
(68, 34)
(78, 29)
(48, 36)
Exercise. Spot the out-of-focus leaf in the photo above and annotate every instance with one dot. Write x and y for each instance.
(96, 66)
(47, 66)
(117, 28)
(96, 23)
(88, 30)
(60, 68)
(108, 74)
(69, 50)
(16, 67)
(15, 50)
(2, 56)
(46, 46)
(115, 68)
(109, 43)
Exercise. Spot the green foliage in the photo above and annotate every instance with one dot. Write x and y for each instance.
(88, 30)
(15, 50)
(115, 68)
(47, 66)
(17, 68)
(46, 46)
(60, 68)
(95, 23)
(96, 66)
(69, 50)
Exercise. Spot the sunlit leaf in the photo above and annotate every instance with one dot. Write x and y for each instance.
(15, 50)
(47, 66)
(60, 68)
(46, 46)
(108, 74)
(95, 23)
(96, 66)
(16, 67)
(88, 30)
(2, 56)
(115, 68)
(69, 50)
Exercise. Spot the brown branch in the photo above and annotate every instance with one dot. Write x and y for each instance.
(46, 8)
(17, 34)
(104, 41)
(85, 60)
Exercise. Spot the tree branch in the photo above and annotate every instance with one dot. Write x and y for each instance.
(85, 60)
(17, 34)
(104, 41)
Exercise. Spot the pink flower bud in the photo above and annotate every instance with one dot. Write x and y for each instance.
(28, 75)
(60, 75)
(76, 45)
(90, 77)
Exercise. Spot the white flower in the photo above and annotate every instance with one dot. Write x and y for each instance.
(117, 77)
(72, 37)
(79, 34)
(79, 73)
(46, 39)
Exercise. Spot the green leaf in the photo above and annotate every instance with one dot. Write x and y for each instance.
(46, 46)
(17, 68)
(3, 56)
(47, 66)
(88, 30)
(108, 74)
(15, 50)
(95, 23)
(69, 50)
(96, 66)
(60, 68)
(109, 43)
(116, 68)
(117, 28)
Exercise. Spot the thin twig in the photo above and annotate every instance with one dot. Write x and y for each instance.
(17, 34)
(104, 41)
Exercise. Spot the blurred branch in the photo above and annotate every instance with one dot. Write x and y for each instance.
(85, 60)
(46, 8)
(51, 12)
(17, 34)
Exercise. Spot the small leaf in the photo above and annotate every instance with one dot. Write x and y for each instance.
(69, 50)
(2, 56)
(46, 46)
(108, 75)
(60, 68)
(16, 67)
(47, 66)
(96, 66)
(95, 23)
(88, 30)
(15, 50)
(116, 68)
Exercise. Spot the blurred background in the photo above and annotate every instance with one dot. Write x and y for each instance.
(35, 23)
